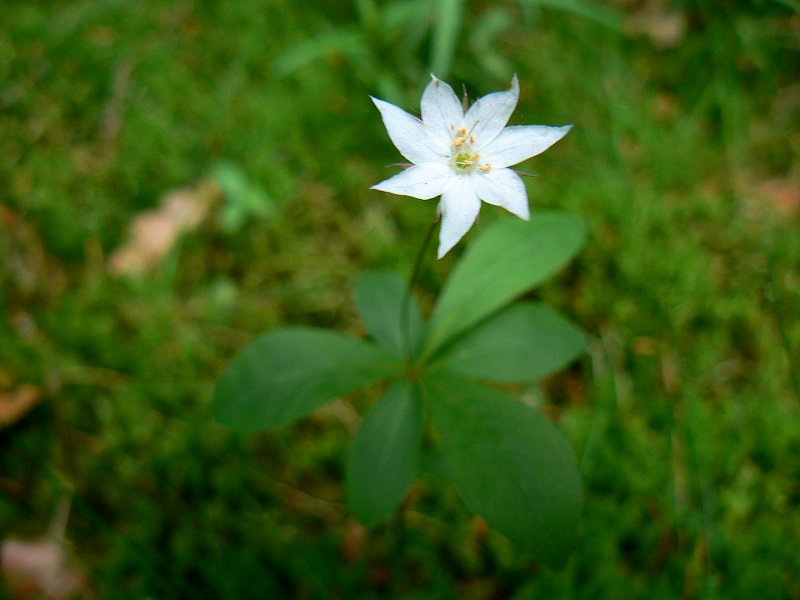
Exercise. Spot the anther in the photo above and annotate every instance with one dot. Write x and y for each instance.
(463, 131)
(458, 141)
(472, 138)
(486, 168)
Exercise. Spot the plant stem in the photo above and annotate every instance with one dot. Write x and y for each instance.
(405, 325)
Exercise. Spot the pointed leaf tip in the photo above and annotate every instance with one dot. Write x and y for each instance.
(506, 260)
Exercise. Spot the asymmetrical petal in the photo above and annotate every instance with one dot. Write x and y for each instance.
(503, 187)
(424, 181)
(441, 111)
(407, 133)
(520, 142)
(486, 118)
(460, 207)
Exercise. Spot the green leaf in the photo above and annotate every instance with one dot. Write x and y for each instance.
(506, 260)
(243, 198)
(522, 343)
(379, 298)
(289, 372)
(509, 463)
(384, 454)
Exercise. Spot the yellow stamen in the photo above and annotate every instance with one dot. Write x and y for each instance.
(486, 168)
(458, 141)
(463, 131)
(472, 139)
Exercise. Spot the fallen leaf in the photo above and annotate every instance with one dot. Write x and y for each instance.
(344, 412)
(645, 346)
(664, 26)
(152, 234)
(14, 405)
(784, 195)
(39, 568)
(479, 529)
(353, 541)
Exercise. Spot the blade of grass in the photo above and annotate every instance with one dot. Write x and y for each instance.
(601, 15)
(445, 36)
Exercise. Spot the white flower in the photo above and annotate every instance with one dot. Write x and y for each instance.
(463, 158)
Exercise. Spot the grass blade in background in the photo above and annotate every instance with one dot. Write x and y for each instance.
(597, 13)
(791, 4)
(445, 36)
(343, 41)
(384, 454)
(509, 464)
(485, 42)
(289, 372)
(523, 343)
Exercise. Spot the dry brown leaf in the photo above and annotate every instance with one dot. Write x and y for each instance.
(353, 541)
(664, 26)
(344, 412)
(152, 234)
(645, 346)
(784, 194)
(39, 568)
(14, 405)
(478, 528)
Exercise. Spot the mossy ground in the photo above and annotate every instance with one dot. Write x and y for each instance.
(685, 416)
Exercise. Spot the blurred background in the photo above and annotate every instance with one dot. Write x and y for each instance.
(178, 177)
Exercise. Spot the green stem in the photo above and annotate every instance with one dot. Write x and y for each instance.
(405, 325)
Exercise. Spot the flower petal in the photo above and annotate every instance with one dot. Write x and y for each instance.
(486, 118)
(424, 181)
(503, 187)
(517, 143)
(460, 207)
(407, 132)
(441, 112)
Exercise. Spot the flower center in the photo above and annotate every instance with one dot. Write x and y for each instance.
(463, 158)
(465, 161)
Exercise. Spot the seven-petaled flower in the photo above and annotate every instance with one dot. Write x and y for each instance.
(463, 156)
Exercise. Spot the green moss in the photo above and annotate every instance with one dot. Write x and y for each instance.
(683, 414)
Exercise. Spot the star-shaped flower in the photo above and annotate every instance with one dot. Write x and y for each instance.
(463, 157)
